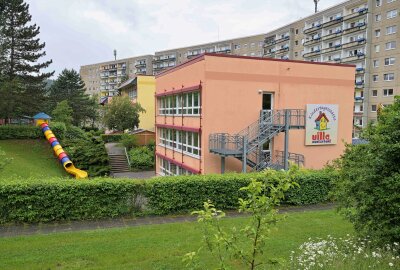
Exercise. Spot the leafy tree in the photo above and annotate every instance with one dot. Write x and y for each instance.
(20, 51)
(70, 87)
(120, 114)
(63, 113)
(369, 184)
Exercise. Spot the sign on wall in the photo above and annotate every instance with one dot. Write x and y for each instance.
(321, 124)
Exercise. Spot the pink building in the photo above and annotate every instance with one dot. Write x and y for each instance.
(218, 113)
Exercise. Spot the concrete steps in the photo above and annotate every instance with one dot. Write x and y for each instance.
(119, 164)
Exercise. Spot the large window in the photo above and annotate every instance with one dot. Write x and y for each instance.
(169, 168)
(390, 45)
(390, 61)
(388, 77)
(181, 104)
(391, 14)
(182, 141)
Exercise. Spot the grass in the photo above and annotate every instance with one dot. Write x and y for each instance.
(153, 246)
(30, 158)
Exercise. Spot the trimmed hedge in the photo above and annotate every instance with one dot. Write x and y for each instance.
(108, 138)
(66, 199)
(10, 132)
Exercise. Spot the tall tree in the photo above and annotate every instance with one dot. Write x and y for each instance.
(20, 52)
(69, 86)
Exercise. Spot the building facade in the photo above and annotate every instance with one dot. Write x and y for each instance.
(141, 89)
(359, 32)
(103, 78)
(219, 113)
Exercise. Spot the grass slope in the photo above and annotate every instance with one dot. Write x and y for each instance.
(31, 158)
(153, 246)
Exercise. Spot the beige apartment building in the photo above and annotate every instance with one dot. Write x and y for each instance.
(103, 78)
(359, 32)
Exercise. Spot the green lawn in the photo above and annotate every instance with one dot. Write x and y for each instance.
(153, 246)
(30, 158)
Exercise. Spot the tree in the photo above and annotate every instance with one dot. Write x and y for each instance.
(20, 52)
(3, 160)
(369, 184)
(63, 113)
(70, 87)
(10, 106)
(120, 114)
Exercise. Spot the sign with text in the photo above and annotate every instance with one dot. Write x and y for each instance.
(321, 124)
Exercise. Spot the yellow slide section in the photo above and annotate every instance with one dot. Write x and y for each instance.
(76, 172)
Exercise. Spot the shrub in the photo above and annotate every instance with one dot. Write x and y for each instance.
(59, 129)
(33, 200)
(128, 141)
(73, 132)
(109, 138)
(9, 132)
(314, 187)
(141, 158)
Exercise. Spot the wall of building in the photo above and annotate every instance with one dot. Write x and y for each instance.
(146, 87)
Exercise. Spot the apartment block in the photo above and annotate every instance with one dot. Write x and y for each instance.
(246, 46)
(359, 32)
(103, 78)
(222, 113)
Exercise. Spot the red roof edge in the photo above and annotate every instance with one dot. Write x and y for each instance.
(182, 90)
(191, 129)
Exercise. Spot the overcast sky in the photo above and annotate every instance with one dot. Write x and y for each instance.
(79, 32)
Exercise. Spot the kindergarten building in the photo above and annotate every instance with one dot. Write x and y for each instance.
(140, 89)
(219, 113)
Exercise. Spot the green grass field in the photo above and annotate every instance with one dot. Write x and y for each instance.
(152, 246)
(30, 158)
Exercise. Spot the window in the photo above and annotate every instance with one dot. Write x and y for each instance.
(378, 3)
(391, 1)
(132, 94)
(252, 54)
(391, 30)
(377, 48)
(374, 93)
(376, 63)
(387, 92)
(390, 61)
(373, 108)
(297, 31)
(378, 17)
(237, 46)
(245, 45)
(377, 32)
(375, 78)
(181, 104)
(296, 54)
(388, 77)
(391, 14)
(252, 45)
(390, 45)
(183, 141)
(296, 42)
(169, 168)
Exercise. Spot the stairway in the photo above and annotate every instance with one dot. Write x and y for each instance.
(118, 163)
(246, 145)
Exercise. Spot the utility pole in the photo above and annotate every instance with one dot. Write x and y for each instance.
(316, 5)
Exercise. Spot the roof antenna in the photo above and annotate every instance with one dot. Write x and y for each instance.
(115, 54)
(316, 5)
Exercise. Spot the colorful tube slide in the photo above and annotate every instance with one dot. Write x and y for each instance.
(61, 155)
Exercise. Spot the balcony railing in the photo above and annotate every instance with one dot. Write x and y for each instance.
(359, 99)
(312, 29)
(355, 43)
(282, 39)
(353, 58)
(333, 22)
(159, 59)
(282, 50)
(333, 35)
(359, 13)
(311, 54)
(112, 75)
(332, 49)
(139, 65)
(360, 70)
(312, 41)
(355, 28)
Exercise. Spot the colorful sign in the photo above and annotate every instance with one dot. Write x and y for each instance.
(321, 124)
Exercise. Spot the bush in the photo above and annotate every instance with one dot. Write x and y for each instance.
(314, 187)
(10, 132)
(58, 199)
(33, 200)
(59, 129)
(109, 138)
(128, 141)
(141, 158)
(73, 132)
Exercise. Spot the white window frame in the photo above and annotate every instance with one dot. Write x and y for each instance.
(372, 108)
(388, 77)
(168, 168)
(392, 46)
(386, 92)
(391, 14)
(186, 104)
(378, 17)
(375, 78)
(374, 92)
(392, 28)
(390, 61)
(185, 142)
(375, 63)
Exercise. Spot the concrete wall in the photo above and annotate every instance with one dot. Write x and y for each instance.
(145, 97)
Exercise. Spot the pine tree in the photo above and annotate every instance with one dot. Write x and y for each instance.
(20, 52)
(69, 86)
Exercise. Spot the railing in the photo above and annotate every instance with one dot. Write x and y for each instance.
(225, 143)
(127, 157)
(297, 159)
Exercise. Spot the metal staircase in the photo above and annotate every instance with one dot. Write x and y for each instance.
(246, 145)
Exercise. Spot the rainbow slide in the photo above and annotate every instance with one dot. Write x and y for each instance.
(61, 155)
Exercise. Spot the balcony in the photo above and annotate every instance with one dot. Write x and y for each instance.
(312, 41)
(282, 39)
(312, 29)
(332, 49)
(223, 51)
(159, 68)
(352, 58)
(159, 59)
(358, 113)
(104, 75)
(360, 70)
(355, 28)
(351, 44)
(282, 50)
(189, 56)
(333, 35)
(140, 64)
(358, 99)
(360, 12)
(112, 68)
(311, 54)
(359, 84)
(333, 22)
(112, 75)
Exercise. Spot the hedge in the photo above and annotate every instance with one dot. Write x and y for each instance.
(108, 138)
(10, 132)
(66, 199)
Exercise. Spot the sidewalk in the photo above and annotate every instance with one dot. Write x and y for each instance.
(75, 226)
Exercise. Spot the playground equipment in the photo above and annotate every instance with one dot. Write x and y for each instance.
(58, 150)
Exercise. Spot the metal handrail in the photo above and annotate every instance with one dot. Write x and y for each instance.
(127, 157)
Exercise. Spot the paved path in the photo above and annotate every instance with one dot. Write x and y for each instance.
(136, 175)
(73, 226)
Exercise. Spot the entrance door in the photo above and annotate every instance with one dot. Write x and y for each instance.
(267, 101)
(267, 107)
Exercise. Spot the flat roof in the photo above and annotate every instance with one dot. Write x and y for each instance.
(202, 56)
